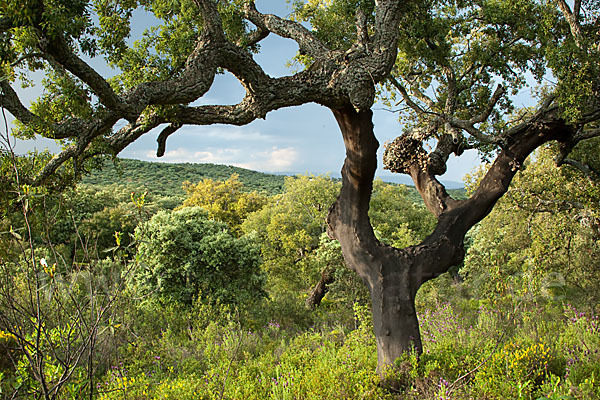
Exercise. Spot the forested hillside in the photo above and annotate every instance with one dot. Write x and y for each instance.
(166, 179)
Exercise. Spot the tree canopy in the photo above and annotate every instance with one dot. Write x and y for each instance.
(451, 66)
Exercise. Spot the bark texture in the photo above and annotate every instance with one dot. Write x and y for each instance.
(320, 290)
(392, 275)
(388, 272)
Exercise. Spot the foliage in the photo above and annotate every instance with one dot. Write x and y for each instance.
(185, 256)
(468, 354)
(542, 238)
(510, 343)
(54, 313)
(166, 179)
(398, 220)
(290, 226)
(224, 201)
(231, 362)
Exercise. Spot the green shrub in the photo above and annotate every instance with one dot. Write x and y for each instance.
(185, 256)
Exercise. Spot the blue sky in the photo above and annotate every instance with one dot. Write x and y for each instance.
(303, 139)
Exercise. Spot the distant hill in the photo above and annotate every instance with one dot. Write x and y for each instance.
(166, 179)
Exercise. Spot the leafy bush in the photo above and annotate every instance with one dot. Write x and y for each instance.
(185, 256)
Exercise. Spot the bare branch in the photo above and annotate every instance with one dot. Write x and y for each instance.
(84, 132)
(162, 138)
(407, 98)
(471, 130)
(565, 150)
(241, 64)
(591, 117)
(451, 90)
(387, 14)
(421, 96)
(55, 163)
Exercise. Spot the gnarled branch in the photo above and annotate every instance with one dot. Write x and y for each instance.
(307, 42)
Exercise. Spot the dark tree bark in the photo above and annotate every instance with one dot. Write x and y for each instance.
(320, 290)
(392, 275)
(386, 271)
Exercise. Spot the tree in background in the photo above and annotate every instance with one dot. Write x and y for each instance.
(185, 256)
(289, 228)
(542, 241)
(225, 201)
(452, 64)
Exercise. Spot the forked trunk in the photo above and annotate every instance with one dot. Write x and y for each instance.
(392, 275)
(386, 271)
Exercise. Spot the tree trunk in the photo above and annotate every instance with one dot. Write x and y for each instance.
(392, 275)
(394, 319)
(387, 272)
(320, 290)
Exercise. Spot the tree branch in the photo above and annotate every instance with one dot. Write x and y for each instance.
(193, 82)
(132, 131)
(586, 169)
(407, 98)
(307, 42)
(162, 138)
(469, 125)
(255, 37)
(544, 110)
(573, 21)
(211, 19)
(362, 32)
(84, 132)
(577, 9)
(471, 130)
(485, 114)
(10, 100)
(57, 50)
(26, 57)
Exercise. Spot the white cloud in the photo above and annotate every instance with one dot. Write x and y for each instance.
(181, 155)
(227, 133)
(273, 160)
